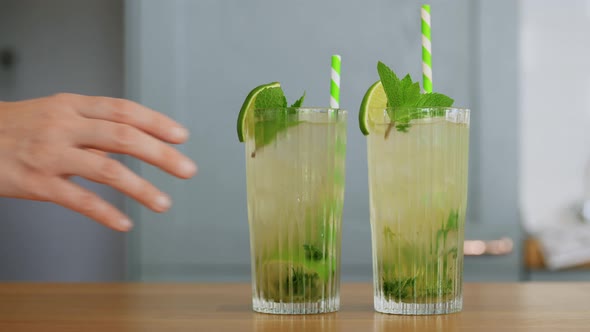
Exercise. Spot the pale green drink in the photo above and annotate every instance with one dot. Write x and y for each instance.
(295, 189)
(418, 194)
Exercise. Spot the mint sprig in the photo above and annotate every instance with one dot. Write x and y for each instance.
(424, 285)
(299, 101)
(403, 96)
(271, 106)
(312, 252)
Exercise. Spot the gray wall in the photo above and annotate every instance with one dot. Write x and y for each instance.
(493, 196)
(73, 46)
(197, 60)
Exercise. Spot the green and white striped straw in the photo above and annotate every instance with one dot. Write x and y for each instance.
(426, 49)
(335, 82)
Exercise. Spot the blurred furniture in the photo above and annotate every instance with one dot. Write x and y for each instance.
(553, 149)
(227, 307)
(535, 269)
(533, 256)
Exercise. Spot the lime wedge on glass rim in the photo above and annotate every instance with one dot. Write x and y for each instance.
(374, 101)
(246, 112)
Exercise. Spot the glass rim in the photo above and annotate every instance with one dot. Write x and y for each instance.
(380, 115)
(430, 108)
(306, 109)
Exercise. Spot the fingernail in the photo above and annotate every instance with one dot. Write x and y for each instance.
(125, 224)
(187, 168)
(179, 133)
(163, 202)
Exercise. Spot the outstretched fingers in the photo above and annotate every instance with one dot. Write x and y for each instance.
(76, 198)
(111, 172)
(135, 115)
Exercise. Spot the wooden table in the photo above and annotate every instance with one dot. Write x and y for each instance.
(226, 307)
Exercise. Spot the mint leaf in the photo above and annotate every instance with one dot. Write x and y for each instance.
(302, 284)
(452, 221)
(403, 126)
(299, 101)
(399, 289)
(312, 252)
(403, 96)
(434, 100)
(412, 94)
(271, 123)
(391, 85)
(273, 116)
(271, 98)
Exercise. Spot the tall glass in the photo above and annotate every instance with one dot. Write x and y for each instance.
(295, 178)
(418, 195)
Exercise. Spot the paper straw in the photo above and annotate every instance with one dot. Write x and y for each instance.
(426, 49)
(335, 82)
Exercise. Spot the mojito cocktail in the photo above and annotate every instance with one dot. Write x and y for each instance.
(295, 183)
(295, 197)
(418, 194)
(417, 160)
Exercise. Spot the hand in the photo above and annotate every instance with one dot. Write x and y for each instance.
(45, 141)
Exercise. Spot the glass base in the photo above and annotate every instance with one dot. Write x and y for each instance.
(403, 308)
(320, 307)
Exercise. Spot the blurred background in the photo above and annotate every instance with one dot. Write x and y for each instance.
(519, 65)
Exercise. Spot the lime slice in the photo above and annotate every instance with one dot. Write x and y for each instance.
(374, 100)
(245, 117)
